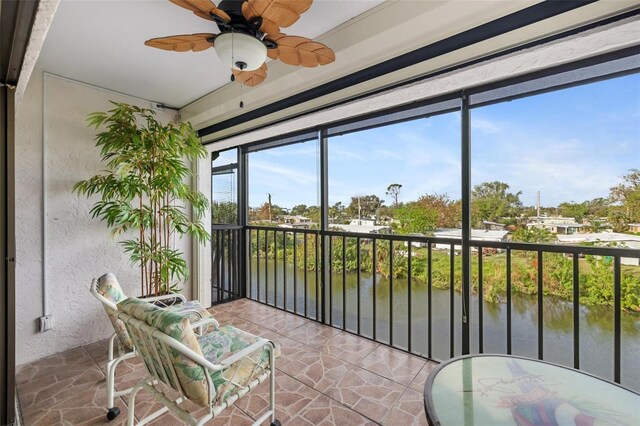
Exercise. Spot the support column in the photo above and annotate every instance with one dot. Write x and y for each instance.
(7, 256)
(324, 220)
(466, 221)
(243, 249)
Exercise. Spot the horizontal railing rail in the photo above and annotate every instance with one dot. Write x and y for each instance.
(559, 248)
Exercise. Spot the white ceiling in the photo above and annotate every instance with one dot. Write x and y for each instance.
(101, 43)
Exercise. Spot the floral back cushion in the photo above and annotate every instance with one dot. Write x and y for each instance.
(110, 289)
(191, 376)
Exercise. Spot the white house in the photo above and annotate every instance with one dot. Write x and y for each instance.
(476, 234)
(363, 229)
(556, 224)
(622, 240)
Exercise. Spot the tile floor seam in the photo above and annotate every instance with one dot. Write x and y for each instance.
(380, 375)
(372, 350)
(332, 398)
(352, 409)
(306, 344)
(242, 411)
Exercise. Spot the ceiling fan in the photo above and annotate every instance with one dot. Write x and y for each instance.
(249, 32)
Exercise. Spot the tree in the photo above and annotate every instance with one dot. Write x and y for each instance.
(448, 213)
(393, 191)
(575, 210)
(265, 212)
(313, 213)
(627, 196)
(492, 201)
(595, 225)
(299, 210)
(336, 212)
(415, 219)
(364, 206)
(598, 207)
(533, 235)
(224, 212)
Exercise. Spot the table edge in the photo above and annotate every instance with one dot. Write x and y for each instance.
(428, 400)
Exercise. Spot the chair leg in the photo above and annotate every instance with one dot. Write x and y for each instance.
(132, 404)
(111, 370)
(114, 411)
(272, 385)
(111, 341)
(272, 397)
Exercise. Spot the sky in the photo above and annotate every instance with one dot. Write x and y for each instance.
(571, 145)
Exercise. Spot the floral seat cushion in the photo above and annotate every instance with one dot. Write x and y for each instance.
(218, 345)
(190, 376)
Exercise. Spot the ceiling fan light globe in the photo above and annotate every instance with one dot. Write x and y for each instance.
(235, 48)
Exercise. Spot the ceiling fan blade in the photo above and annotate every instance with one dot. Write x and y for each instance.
(275, 13)
(183, 43)
(251, 78)
(301, 51)
(203, 9)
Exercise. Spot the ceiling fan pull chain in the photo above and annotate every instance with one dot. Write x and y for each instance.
(241, 103)
(233, 50)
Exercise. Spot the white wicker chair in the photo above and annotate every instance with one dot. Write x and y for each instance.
(108, 291)
(213, 370)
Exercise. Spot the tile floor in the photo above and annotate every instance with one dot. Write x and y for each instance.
(324, 377)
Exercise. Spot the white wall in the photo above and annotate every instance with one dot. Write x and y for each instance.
(63, 246)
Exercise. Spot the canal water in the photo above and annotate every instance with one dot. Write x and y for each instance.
(393, 309)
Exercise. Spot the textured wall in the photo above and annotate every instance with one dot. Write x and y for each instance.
(76, 246)
(44, 17)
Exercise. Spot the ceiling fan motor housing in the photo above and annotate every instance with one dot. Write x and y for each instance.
(240, 51)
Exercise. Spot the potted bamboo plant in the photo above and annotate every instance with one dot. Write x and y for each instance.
(144, 191)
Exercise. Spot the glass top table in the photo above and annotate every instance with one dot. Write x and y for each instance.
(508, 390)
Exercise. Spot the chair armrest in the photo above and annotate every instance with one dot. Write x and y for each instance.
(246, 351)
(204, 322)
(166, 296)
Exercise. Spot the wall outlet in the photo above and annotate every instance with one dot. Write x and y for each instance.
(46, 323)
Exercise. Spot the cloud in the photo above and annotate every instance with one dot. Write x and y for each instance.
(486, 126)
(285, 172)
(562, 169)
(337, 152)
(386, 154)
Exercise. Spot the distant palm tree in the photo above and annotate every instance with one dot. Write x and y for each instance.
(596, 226)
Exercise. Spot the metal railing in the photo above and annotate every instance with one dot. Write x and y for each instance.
(371, 286)
(226, 266)
(288, 291)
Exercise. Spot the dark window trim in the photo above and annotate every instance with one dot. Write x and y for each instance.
(524, 17)
(580, 78)
(407, 112)
(278, 141)
(630, 52)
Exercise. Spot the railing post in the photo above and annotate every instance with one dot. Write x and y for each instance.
(466, 220)
(243, 249)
